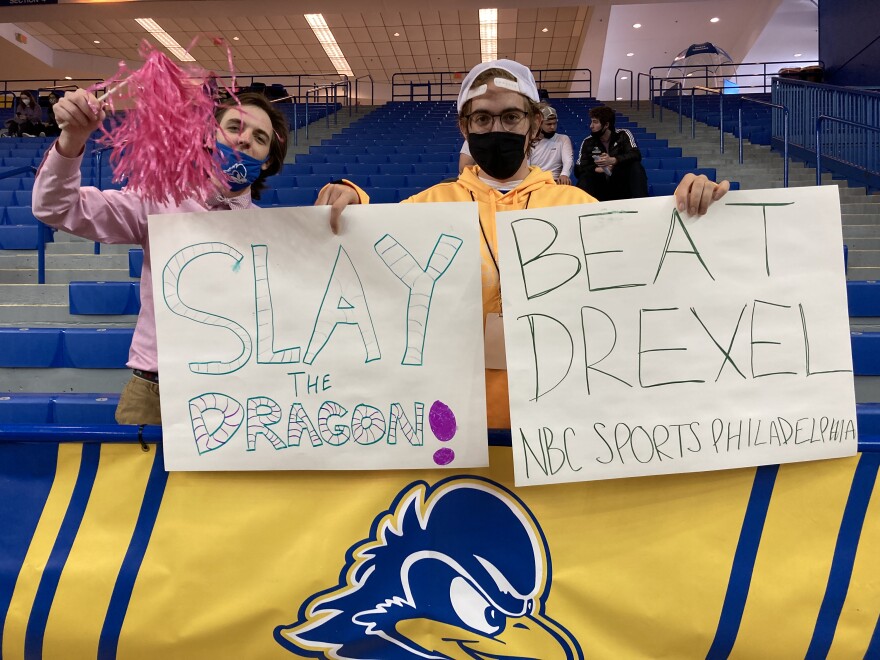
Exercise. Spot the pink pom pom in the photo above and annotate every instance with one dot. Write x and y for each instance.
(164, 145)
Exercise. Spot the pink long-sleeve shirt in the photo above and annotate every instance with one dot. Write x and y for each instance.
(108, 216)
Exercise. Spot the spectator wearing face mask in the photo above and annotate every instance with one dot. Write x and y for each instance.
(553, 151)
(499, 117)
(28, 118)
(51, 125)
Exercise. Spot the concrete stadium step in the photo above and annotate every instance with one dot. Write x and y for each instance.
(33, 294)
(71, 247)
(63, 380)
(863, 258)
(861, 231)
(70, 261)
(863, 273)
(64, 276)
(37, 315)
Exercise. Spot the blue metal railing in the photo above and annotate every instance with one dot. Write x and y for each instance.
(785, 113)
(846, 148)
(809, 100)
(113, 433)
(630, 78)
(445, 85)
(42, 229)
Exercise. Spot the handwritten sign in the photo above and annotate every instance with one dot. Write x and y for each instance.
(643, 342)
(282, 346)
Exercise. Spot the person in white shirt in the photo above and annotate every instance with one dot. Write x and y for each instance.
(553, 152)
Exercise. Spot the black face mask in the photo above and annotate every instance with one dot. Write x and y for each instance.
(598, 134)
(498, 154)
(548, 134)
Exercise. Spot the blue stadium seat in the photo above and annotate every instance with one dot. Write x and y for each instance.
(651, 163)
(373, 159)
(423, 181)
(96, 348)
(866, 353)
(5, 200)
(297, 196)
(12, 183)
(25, 408)
(661, 189)
(286, 181)
(382, 195)
(361, 169)
(30, 347)
(135, 262)
(310, 181)
(863, 298)
(20, 215)
(22, 197)
(397, 168)
(106, 298)
(25, 237)
(662, 176)
(78, 409)
(438, 157)
(332, 170)
(267, 198)
(387, 181)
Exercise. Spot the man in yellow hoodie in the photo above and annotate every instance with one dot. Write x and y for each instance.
(498, 115)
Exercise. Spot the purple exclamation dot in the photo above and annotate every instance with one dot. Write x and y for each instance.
(443, 425)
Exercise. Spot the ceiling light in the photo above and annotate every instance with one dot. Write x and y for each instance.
(545, 30)
(637, 25)
(624, 77)
(96, 41)
(619, 98)
(630, 54)
(68, 78)
(236, 38)
(328, 42)
(798, 54)
(714, 20)
(397, 34)
(489, 34)
(165, 39)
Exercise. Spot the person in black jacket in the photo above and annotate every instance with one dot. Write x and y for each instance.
(609, 165)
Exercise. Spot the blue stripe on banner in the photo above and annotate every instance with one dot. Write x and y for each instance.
(873, 651)
(26, 478)
(128, 572)
(844, 555)
(36, 628)
(743, 563)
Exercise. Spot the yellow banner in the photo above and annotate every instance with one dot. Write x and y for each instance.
(105, 555)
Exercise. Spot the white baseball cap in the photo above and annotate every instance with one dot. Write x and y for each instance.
(524, 82)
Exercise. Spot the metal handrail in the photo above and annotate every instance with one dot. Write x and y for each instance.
(372, 88)
(616, 75)
(706, 67)
(846, 122)
(144, 435)
(316, 90)
(784, 133)
(449, 82)
(36, 433)
(639, 89)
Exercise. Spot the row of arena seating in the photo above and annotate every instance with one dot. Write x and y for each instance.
(390, 172)
(757, 119)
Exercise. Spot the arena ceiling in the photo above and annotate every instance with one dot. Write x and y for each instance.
(397, 35)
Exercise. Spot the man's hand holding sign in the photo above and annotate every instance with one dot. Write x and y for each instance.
(641, 341)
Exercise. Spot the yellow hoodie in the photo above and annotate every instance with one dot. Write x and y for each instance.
(538, 190)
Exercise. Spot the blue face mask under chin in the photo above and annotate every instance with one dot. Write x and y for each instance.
(241, 170)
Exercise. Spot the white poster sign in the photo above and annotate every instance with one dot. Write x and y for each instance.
(641, 342)
(284, 347)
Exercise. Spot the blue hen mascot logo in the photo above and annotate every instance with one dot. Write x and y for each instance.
(458, 571)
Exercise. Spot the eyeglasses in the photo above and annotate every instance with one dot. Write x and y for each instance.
(482, 121)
